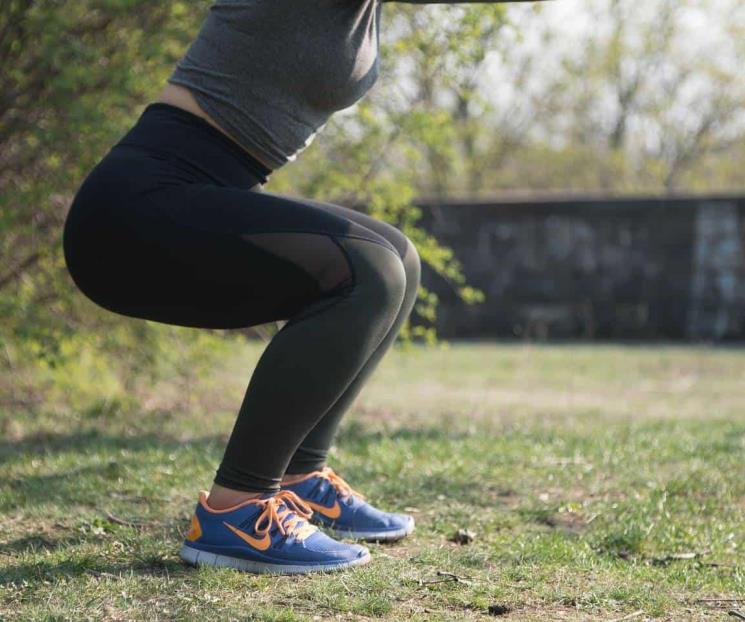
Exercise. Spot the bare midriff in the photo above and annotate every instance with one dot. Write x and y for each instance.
(181, 97)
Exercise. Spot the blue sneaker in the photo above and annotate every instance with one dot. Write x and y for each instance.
(268, 534)
(343, 510)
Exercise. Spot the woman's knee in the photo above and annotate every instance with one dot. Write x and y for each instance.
(380, 277)
(412, 266)
(408, 253)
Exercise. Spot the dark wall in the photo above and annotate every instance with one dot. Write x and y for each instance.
(594, 268)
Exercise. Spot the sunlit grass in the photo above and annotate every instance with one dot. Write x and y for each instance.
(599, 482)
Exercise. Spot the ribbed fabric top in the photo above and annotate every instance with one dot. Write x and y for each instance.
(272, 72)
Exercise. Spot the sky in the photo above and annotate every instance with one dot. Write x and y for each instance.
(703, 22)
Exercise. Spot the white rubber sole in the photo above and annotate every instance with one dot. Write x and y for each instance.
(196, 557)
(375, 536)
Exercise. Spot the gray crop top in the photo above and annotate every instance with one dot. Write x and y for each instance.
(272, 72)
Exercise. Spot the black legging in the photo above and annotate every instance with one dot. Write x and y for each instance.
(173, 226)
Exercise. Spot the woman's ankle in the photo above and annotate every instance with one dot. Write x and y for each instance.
(221, 498)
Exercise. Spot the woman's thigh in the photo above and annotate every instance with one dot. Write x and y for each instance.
(205, 255)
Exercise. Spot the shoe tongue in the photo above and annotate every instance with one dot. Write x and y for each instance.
(332, 486)
(332, 492)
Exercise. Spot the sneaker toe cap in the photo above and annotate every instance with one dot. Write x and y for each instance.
(325, 546)
(374, 519)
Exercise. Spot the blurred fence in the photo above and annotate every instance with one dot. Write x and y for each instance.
(594, 268)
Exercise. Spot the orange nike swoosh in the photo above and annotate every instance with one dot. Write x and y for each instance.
(261, 544)
(333, 512)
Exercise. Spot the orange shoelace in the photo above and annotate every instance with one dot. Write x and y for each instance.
(338, 482)
(289, 512)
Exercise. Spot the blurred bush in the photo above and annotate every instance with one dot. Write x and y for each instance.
(73, 78)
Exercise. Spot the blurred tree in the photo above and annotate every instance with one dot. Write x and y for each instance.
(73, 78)
(644, 98)
(71, 75)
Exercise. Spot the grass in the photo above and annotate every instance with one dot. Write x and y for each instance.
(600, 482)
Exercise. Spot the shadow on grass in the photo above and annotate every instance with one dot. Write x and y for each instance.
(37, 543)
(362, 435)
(65, 487)
(46, 443)
(43, 571)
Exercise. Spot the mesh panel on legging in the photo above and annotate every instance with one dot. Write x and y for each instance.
(317, 254)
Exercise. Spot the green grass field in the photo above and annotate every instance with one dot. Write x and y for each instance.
(601, 483)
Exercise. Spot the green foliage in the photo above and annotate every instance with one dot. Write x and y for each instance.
(72, 77)
(75, 76)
